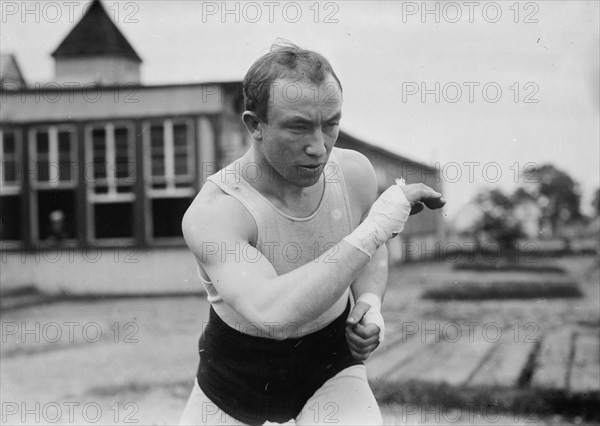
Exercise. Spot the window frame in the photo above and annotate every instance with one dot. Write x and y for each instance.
(170, 178)
(111, 181)
(37, 186)
(53, 129)
(15, 188)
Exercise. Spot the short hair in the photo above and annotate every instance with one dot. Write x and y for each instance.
(284, 60)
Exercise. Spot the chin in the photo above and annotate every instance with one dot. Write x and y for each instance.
(305, 178)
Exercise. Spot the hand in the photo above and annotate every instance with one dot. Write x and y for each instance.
(420, 195)
(362, 339)
(389, 214)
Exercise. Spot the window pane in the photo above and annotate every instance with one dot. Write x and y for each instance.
(180, 147)
(157, 151)
(65, 168)
(99, 153)
(10, 171)
(181, 165)
(10, 218)
(42, 144)
(167, 214)
(64, 143)
(113, 220)
(10, 164)
(56, 214)
(64, 156)
(9, 143)
(42, 168)
(124, 189)
(122, 160)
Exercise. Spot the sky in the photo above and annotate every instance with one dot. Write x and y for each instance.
(482, 90)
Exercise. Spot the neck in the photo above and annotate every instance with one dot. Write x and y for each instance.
(274, 186)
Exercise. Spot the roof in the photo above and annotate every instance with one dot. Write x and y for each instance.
(95, 35)
(351, 140)
(10, 73)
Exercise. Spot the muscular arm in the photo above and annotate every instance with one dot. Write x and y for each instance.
(362, 188)
(218, 230)
(373, 277)
(215, 232)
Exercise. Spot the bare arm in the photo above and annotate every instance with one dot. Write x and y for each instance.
(364, 333)
(373, 277)
(217, 229)
(215, 232)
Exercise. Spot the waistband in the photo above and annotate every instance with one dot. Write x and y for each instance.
(231, 337)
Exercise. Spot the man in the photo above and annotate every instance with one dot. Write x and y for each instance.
(282, 236)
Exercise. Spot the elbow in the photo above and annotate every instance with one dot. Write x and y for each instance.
(270, 320)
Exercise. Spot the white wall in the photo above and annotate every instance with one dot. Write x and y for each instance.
(104, 271)
(102, 70)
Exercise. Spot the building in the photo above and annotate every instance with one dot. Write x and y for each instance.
(98, 165)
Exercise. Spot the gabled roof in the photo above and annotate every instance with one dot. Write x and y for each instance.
(10, 73)
(95, 35)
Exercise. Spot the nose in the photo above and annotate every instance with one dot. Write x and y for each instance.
(316, 148)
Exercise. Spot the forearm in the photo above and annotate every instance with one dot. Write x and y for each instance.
(304, 293)
(373, 277)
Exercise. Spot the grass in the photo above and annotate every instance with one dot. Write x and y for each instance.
(489, 401)
(508, 267)
(501, 290)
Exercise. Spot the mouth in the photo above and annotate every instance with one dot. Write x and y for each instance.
(310, 167)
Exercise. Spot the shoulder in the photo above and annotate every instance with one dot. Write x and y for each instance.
(215, 217)
(359, 174)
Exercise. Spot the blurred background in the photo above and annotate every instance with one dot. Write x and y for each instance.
(114, 113)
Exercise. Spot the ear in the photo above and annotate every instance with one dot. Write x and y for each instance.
(253, 124)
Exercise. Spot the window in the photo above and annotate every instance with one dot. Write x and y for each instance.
(53, 157)
(10, 185)
(170, 175)
(110, 171)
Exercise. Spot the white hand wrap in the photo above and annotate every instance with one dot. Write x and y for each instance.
(385, 219)
(373, 315)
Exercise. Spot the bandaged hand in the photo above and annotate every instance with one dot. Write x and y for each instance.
(366, 328)
(389, 214)
(387, 217)
(373, 315)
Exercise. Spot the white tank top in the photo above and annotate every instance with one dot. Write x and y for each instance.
(289, 242)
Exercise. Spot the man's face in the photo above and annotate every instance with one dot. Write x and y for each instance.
(303, 125)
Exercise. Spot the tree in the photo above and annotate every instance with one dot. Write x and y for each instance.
(596, 203)
(498, 220)
(557, 194)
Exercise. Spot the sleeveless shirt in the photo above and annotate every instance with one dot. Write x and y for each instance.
(287, 242)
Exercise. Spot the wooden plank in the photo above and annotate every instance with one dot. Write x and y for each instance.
(450, 362)
(391, 356)
(585, 369)
(465, 356)
(506, 363)
(429, 357)
(406, 341)
(552, 365)
(415, 367)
